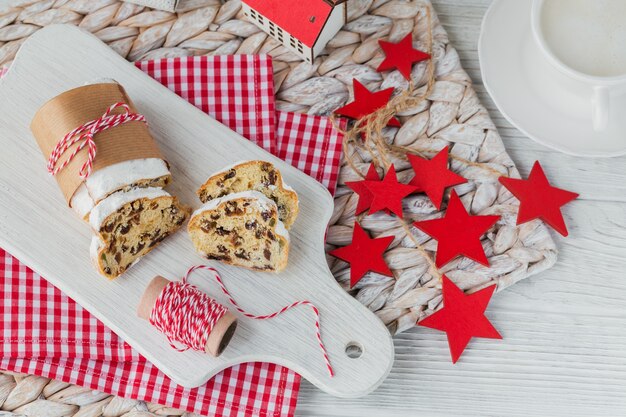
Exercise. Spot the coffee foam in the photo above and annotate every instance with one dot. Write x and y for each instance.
(588, 36)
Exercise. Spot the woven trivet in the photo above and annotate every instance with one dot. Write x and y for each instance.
(451, 116)
(35, 396)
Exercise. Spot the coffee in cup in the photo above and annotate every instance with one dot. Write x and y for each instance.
(586, 41)
(587, 35)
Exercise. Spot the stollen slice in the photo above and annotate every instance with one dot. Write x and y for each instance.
(261, 176)
(242, 229)
(129, 224)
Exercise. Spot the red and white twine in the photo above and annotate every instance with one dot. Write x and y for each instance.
(86, 133)
(187, 315)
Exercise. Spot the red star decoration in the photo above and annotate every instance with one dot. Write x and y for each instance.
(433, 176)
(364, 254)
(462, 317)
(388, 193)
(458, 233)
(538, 199)
(365, 197)
(365, 103)
(401, 55)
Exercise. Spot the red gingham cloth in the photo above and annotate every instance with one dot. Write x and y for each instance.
(46, 333)
(311, 144)
(222, 84)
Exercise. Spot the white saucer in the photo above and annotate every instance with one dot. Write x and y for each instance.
(533, 95)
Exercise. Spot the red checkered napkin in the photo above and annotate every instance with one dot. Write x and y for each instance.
(237, 90)
(220, 84)
(46, 333)
(311, 144)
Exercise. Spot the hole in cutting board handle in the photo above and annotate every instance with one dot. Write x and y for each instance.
(354, 350)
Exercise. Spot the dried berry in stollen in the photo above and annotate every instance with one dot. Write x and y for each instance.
(364, 254)
(538, 199)
(365, 103)
(432, 176)
(401, 56)
(458, 233)
(365, 196)
(388, 193)
(462, 317)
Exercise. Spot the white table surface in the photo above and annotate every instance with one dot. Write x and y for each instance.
(564, 347)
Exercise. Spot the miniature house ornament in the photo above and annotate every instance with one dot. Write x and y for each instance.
(303, 27)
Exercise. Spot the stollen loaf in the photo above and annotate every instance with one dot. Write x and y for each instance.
(110, 170)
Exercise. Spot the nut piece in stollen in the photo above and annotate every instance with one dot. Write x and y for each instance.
(129, 224)
(241, 229)
(259, 176)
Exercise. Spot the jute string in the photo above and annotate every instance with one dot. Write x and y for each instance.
(367, 134)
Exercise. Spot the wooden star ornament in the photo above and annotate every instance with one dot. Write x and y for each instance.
(364, 254)
(539, 199)
(359, 187)
(458, 233)
(433, 177)
(365, 103)
(462, 317)
(388, 193)
(401, 55)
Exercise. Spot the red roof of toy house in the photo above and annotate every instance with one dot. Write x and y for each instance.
(303, 19)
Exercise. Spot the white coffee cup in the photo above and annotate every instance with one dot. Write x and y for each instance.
(586, 41)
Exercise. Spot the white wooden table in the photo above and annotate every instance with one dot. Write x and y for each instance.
(564, 347)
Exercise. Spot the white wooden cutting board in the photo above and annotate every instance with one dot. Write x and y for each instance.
(38, 228)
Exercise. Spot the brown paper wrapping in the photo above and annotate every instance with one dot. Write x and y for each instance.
(76, 107)
(222, 331)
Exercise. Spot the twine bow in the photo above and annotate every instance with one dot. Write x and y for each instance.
(85, 134)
